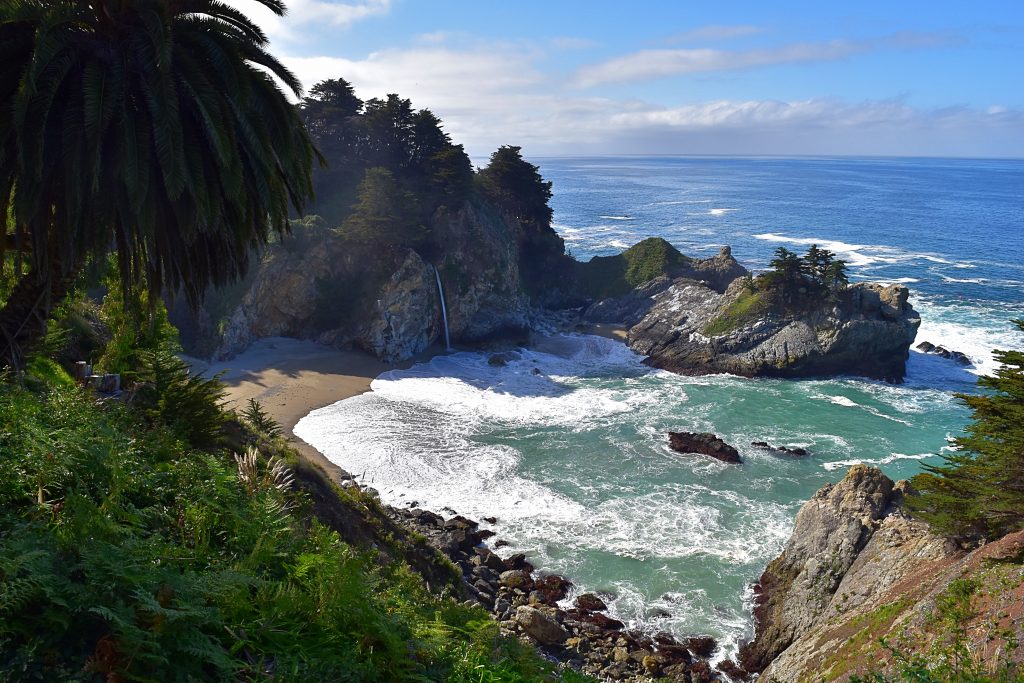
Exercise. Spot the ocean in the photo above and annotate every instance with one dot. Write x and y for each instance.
(566, 445)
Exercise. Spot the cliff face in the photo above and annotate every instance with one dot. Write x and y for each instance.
(317, 285)
(692, 329)
(857, 570)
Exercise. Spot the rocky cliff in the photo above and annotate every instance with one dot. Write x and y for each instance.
(690, 328)
(319, 285)
(858, 570)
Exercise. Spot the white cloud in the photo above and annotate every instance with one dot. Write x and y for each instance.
(646, 65)
(649, 64)
(489, 96)
(715, 32)
(307, 14)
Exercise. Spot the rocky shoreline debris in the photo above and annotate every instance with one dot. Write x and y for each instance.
(533, 606)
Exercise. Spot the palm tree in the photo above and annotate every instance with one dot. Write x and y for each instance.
(155, 128)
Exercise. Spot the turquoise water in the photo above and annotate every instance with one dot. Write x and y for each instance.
(566, 445)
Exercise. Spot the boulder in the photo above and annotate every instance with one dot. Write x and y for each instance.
(590, 603)
(703, 443)
(702, 646)
(539, 626)
(516, 578)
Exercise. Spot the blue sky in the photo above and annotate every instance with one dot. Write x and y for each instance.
(868, 78)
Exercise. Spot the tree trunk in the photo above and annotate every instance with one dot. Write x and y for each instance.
(24, 317)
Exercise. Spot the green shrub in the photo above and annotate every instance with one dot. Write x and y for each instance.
(610, 276)
(748, 306)
(128, 554)
(978, 492)
(169, 394)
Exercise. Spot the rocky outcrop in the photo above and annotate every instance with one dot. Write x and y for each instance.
(318, 285)
(692, 329)
(703, 443)
(857, 569)
(717, 273)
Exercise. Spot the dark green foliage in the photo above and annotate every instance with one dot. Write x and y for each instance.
(260, 420)
(608, 276)
(384, 214)
(127, 555)
(978, 492)
(168, 394)
(516, 186)
(157, 128)
(357, 137)
(815, 273)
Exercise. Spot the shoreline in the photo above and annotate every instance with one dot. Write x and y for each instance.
(292, 377)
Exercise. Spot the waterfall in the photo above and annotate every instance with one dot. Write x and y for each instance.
(444, 311)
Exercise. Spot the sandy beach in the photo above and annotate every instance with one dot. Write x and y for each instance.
(290, 377)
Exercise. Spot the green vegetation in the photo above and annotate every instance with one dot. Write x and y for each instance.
(377, 152)
(609, 276)
(978, 492)
(949, 659)
(748, 306)
(153, 127)
(160, 538)
(516, 187)
(815, 273)
(794, 283)
(384, 213)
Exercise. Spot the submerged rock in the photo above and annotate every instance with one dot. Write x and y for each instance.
(764, 445)
(703, 443)
(956, 356)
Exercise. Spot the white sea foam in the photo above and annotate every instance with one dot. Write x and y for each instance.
(966, 280)
(891, 458)
(965, 327)
(720, 212)
(865, 256)
(852, 253)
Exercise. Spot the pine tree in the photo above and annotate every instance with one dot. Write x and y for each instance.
(979, 491)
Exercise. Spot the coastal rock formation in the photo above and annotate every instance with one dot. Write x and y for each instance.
(318, 285)
(857, 569)
(705, 444)
(630, 308)
(692, 329)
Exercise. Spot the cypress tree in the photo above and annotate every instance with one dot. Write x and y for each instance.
(978, 492)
